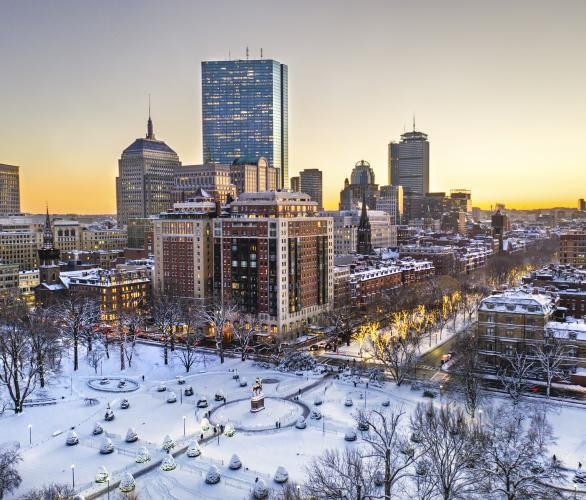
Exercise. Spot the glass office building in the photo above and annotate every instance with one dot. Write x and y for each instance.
(245, 112)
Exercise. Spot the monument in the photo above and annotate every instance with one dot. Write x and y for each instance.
(257, 402)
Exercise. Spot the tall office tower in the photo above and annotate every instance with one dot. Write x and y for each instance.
(391, 202)
(245, 112)
(273, 259)
(252, 175)
(361, 186)
(409, 162)
(211, 177)
(310, 182)
(295, 184)
(146, 174)
(582, 205)
(9, 190)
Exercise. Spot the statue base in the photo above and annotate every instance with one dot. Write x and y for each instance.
(257, 403)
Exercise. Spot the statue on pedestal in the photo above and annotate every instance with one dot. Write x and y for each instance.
(257, 402)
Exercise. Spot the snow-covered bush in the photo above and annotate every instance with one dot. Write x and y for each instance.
(317, 401)
(297, 361)
(102, 475)
(171, 398)
(348, 402)
(193, 450)
(142, 455)
(315, 414)
(98, 429)
(188, 391)
(229, 431)
(106, 447)
(281, 475)
(109, 415)
(243, 382)
(168, 443)
(124, 404)
(260, 491)
(161, 387)
(301, 423)
(202, 403)
(168, 463)
(72, 438)
(127, 483)
(131, 435)
(386, 402)
(205, 424)
(235, 462)
(213, 475)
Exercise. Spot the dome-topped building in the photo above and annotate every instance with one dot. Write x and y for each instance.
(361, 188)
(146, 173)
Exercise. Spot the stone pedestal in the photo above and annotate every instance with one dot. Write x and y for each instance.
(257, 403)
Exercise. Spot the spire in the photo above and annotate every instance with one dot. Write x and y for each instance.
(414, 123)
(48, 243)
(150, 133)
(364, 245)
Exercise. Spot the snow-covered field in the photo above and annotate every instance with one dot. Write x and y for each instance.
(49, 460)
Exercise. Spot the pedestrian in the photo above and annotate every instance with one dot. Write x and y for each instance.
(367, 385)
(215, 430)
(299, 391)
(276, 425)
(579, 465)
(256, 480)
(355, 383)
(143, 378)
(201, 437)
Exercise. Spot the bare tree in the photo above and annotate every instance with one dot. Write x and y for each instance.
(10, 479)
(465, 377)
(187, 354)
(243, 331)
(77, 315)
(219, 316)
(130, 322)
(167, 315)
(95, 356)
(450, 447)
(515, 460)
(50, 492)
(19, 372)
(514, 374)
(397, 348)
(388, 446)
(289, 491)
(340, 474)
(550, 358)
(45, 343)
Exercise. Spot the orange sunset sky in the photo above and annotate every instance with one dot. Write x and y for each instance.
(499, 87)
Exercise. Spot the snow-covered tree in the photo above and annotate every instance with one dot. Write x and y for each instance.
(106, 447)
(168, 443)
(243, 333)
(551, 356)
(9, 477)
(340, 474)
(127, 483)
(260, 490)
(131, 435)
(77, 316)
(130, 321)
(167, 315)
(218, 316)
(142, 455)
(102, 475)
(213, 475)
(235, 462)
(515, 457)
(193, 449)
(515, 373)
(387, 445)
(168, 463)
(450, 447)
(19, 372)
(49, 492)
(297, 361)
(98, 429)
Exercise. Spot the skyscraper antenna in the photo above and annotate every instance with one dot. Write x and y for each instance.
(414, 122)
(247, 52)
(229, 55)
(261, 52)
(149, 106)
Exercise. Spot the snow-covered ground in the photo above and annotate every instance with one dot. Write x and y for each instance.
(48, 459)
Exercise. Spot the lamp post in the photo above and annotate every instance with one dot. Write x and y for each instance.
(480, 417)
(30, 434)
(108, 487)
(184, 418)
(73, 475)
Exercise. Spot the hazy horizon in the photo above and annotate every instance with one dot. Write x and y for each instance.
(498, 87)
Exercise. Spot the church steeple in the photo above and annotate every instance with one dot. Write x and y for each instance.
(364, 245)
(48, 241)
(150, 132)
(48, 255)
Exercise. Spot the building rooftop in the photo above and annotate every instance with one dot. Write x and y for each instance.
(142, 145)
(519, 301)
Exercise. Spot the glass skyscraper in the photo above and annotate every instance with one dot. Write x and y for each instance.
(245, 112)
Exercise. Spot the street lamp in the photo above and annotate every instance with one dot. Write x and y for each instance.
(73, 475)
(108, 487)
(30, 433)
(184, 417)
(480, 416)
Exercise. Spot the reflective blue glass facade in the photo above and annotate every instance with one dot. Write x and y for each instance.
(245, 112)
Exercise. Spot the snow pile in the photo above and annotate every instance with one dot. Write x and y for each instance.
(297, 361)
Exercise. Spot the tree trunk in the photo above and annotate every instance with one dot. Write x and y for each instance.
(387, 474)
(165, 354)
(41, 369)
(122, 366)
(75, 349)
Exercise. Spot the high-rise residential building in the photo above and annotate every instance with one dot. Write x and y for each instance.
(213, 178)
(183, 245)
(146, 177)
(245, 112)
(310, 182)
(9, 190)
(391, 201)
(295, 184)
(251, 175)
(409, 162)
(273, 259)
(360, 187)
(573, 248)
(19, 242)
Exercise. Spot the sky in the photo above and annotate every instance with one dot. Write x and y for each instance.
(498, 86)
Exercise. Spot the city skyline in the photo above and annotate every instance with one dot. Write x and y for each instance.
(502, 110)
